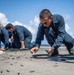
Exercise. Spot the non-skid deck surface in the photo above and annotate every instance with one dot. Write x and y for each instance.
(16, 62)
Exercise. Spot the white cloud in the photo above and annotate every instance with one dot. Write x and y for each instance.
(3, 19)
(68, 29)
(17, 23)
(34, 25)
(35, 22)
(67, 17)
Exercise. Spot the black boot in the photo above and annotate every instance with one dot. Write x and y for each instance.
(72, 51)
(70, 48)
(55, 53)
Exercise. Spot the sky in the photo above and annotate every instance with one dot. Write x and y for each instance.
(26, 13)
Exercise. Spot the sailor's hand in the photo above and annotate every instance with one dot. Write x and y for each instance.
(50, 50)
(2, 49)
(12, 40)
(21, 48)
(34, 49)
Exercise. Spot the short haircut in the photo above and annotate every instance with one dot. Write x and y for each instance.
(8, 26)
(45, 13)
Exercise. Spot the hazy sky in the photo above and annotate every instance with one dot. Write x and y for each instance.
(26, 12)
